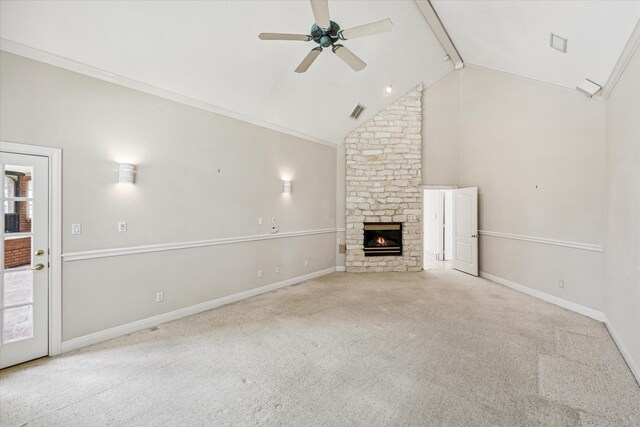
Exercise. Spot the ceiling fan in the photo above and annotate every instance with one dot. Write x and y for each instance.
(328, 34)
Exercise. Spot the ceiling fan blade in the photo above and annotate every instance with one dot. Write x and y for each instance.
(282, 36)
(321, 12)
(349, 57)
(308, 60)
(382, 26)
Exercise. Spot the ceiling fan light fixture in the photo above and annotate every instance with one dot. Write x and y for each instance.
(388, 89)
(558, 43)
(327, 33)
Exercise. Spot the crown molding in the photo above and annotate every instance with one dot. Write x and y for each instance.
(627, 53)
(596, 97)
(87, 70)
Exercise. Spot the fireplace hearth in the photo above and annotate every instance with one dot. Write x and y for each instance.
(382, 239)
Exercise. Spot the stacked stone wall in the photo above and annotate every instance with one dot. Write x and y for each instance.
(384, 183)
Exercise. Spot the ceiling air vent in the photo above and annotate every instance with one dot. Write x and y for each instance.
(357, 111)
(558, 43)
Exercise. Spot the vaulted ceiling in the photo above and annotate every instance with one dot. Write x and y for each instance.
(514, 36)
(207, 53)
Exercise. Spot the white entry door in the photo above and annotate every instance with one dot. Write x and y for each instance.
(465, 230)
(24, 282)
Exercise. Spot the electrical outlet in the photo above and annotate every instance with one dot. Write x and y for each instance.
(122, 226)
(338, 240)
(561, 284)
(412, 217)
(259, 273)
(277, 270)
(306, 263)
(259, 220)
(273, 220)
(76, 228)
(274, 229)
(159, 297)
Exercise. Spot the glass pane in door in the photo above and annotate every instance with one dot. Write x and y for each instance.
(17, 252)
(18, 284)
(17, 216)
(17, 323)
(18, 288)
(17, 181)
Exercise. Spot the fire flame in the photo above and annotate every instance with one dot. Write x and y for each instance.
(380, 241)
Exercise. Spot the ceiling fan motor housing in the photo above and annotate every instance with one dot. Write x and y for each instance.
(325, 37)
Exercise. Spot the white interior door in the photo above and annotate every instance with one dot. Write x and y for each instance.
(24, 281)
(465, 230)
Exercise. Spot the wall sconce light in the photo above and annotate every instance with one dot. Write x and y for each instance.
(126, 173)
(286, 187)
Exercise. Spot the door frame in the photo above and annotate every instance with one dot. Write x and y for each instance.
(54, 156)
(441, 238)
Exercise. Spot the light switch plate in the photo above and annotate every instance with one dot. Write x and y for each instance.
(122, 226)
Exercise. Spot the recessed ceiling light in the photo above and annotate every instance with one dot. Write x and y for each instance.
(558, 43)
(589, 88)
(388, 89)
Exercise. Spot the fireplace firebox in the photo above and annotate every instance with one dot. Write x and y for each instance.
(382, 239)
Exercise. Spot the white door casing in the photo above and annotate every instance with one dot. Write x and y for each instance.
(465, 230)
(24, 275)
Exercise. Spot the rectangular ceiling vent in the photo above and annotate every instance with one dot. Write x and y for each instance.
(357, 111)
(558, 43)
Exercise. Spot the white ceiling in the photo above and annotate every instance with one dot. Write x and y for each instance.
(513, 36)
(209, 51)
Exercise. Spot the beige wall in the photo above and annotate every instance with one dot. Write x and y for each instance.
(622, 237)
(536, 153)
(200, 176)
(340, 202)
(441, 131)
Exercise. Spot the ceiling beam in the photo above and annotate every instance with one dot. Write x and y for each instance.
(434, 22)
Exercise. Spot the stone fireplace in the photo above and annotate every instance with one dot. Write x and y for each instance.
(384, 189)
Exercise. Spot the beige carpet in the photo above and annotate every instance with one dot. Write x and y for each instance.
(430, 348)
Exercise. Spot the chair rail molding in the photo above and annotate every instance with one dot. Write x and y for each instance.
(544, 241)
(106, 253)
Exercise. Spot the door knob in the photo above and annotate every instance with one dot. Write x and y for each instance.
(475, 235)
(39, 252)
(39, 266)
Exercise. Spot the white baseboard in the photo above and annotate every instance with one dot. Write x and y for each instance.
(581, 309)
(341, 268)
(149, 322)
(633, 366)
(594, 314)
